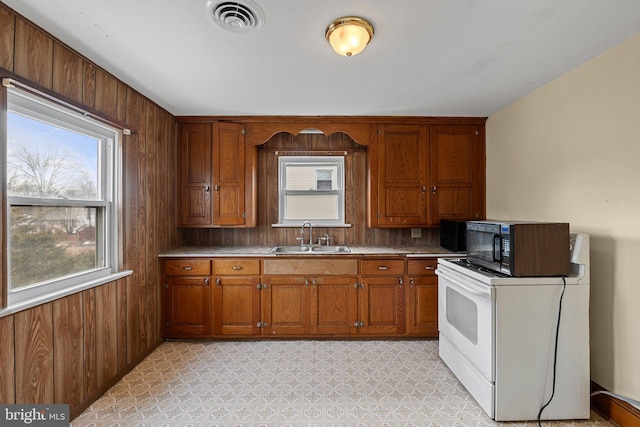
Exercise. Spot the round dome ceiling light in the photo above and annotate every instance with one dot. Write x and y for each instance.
(235, 16)
(349, 35)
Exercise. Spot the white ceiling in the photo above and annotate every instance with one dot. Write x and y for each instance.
(427, 57)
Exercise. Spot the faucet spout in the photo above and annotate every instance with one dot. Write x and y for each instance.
(310, 232)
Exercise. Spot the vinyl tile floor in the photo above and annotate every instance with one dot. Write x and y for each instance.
(294, 383)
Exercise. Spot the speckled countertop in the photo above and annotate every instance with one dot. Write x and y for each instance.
(265, 251)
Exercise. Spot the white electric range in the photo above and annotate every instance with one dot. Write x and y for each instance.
(498, 336)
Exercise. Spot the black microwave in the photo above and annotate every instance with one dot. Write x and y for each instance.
(453, 235)
(519, 248)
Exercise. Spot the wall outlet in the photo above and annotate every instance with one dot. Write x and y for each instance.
(416, 233)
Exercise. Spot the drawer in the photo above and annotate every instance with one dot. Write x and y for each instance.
(187, 267)
(419, 267)
(245, 267)
(382, 266)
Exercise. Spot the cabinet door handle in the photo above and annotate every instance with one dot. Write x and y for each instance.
(187, 268)
(206, 188)
(383, 267)
(237, 267)
(306, 282)
(411, 282)
(218, 282)
(216, 188)
(314, 282)
(206, 282)
(424, 189)
(433, 189)
(400, 282)
(429, 267)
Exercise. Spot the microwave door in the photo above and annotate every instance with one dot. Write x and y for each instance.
(484, 248)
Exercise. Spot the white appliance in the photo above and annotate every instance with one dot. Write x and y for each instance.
(498, 336)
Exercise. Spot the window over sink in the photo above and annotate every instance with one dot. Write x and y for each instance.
(311, 188)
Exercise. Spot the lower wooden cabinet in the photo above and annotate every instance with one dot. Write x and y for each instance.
(187, 298)
(236, 297)
(335, 305)
(286, 306)
(253, 297)
(422, 297)
(382, 297)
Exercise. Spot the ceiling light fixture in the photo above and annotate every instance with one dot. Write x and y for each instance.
(349, 35)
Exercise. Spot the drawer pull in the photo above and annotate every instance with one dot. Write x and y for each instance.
(429, 267)
(237, 267)
(187, 268)
(383, 267)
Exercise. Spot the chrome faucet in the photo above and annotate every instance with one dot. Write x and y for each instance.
(310, 233)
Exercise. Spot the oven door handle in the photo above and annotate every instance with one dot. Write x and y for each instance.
(483, 292)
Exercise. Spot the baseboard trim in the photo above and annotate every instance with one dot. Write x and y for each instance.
(614, 410)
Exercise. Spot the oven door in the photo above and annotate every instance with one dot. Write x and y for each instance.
(466, 319)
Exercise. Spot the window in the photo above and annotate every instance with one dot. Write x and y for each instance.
(311, 188)
(61, 191)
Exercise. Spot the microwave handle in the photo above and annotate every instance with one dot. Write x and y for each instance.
(497, 245)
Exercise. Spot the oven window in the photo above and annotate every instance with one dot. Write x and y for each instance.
(462, 314)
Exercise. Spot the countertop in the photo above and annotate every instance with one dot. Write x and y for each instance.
(265, 251)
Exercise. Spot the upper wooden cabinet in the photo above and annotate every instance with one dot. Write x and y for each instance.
(419, 174)
(216, 176)
(194, 175)
(399, 177)
(457, 172)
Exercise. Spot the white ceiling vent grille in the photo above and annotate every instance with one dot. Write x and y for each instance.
(238, 17)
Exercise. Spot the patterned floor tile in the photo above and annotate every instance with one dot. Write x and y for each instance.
(294, 383)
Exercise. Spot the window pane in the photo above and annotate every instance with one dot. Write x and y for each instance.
(321, 206)
(50, 242)
(44, 160)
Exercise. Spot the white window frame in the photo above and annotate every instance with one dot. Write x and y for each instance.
(108, 245)
(329, 161)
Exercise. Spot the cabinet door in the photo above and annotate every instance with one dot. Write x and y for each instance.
(286, 306)
(457, 171)
(194, 175)
(403, 174)
(228, 174)
(381, 305)
(236, 305)
(335, 305)
(188, 307)
(422, 297)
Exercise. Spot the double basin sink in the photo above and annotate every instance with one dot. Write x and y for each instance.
(310, 249)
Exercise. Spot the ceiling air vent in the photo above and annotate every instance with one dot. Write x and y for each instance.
(238, 17)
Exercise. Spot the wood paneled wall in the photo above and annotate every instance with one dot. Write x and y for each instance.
(72, 349)
(355, 210)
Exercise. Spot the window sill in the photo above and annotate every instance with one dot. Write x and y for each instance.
(43, 299)
(319, 224)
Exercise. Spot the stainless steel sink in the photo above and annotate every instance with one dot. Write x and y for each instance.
(310, 249)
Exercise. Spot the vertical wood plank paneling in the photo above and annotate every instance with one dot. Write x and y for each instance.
(122, 103)
(151, 236)
(106, 100)
(34, 355)
(7, 38)
(67, 72)
(141, 222)
(90, 384)
(33, 55)
(121, 322)
(89, 85)
(68, 350)
(106, 333)
(7, 361)
(130, 233)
